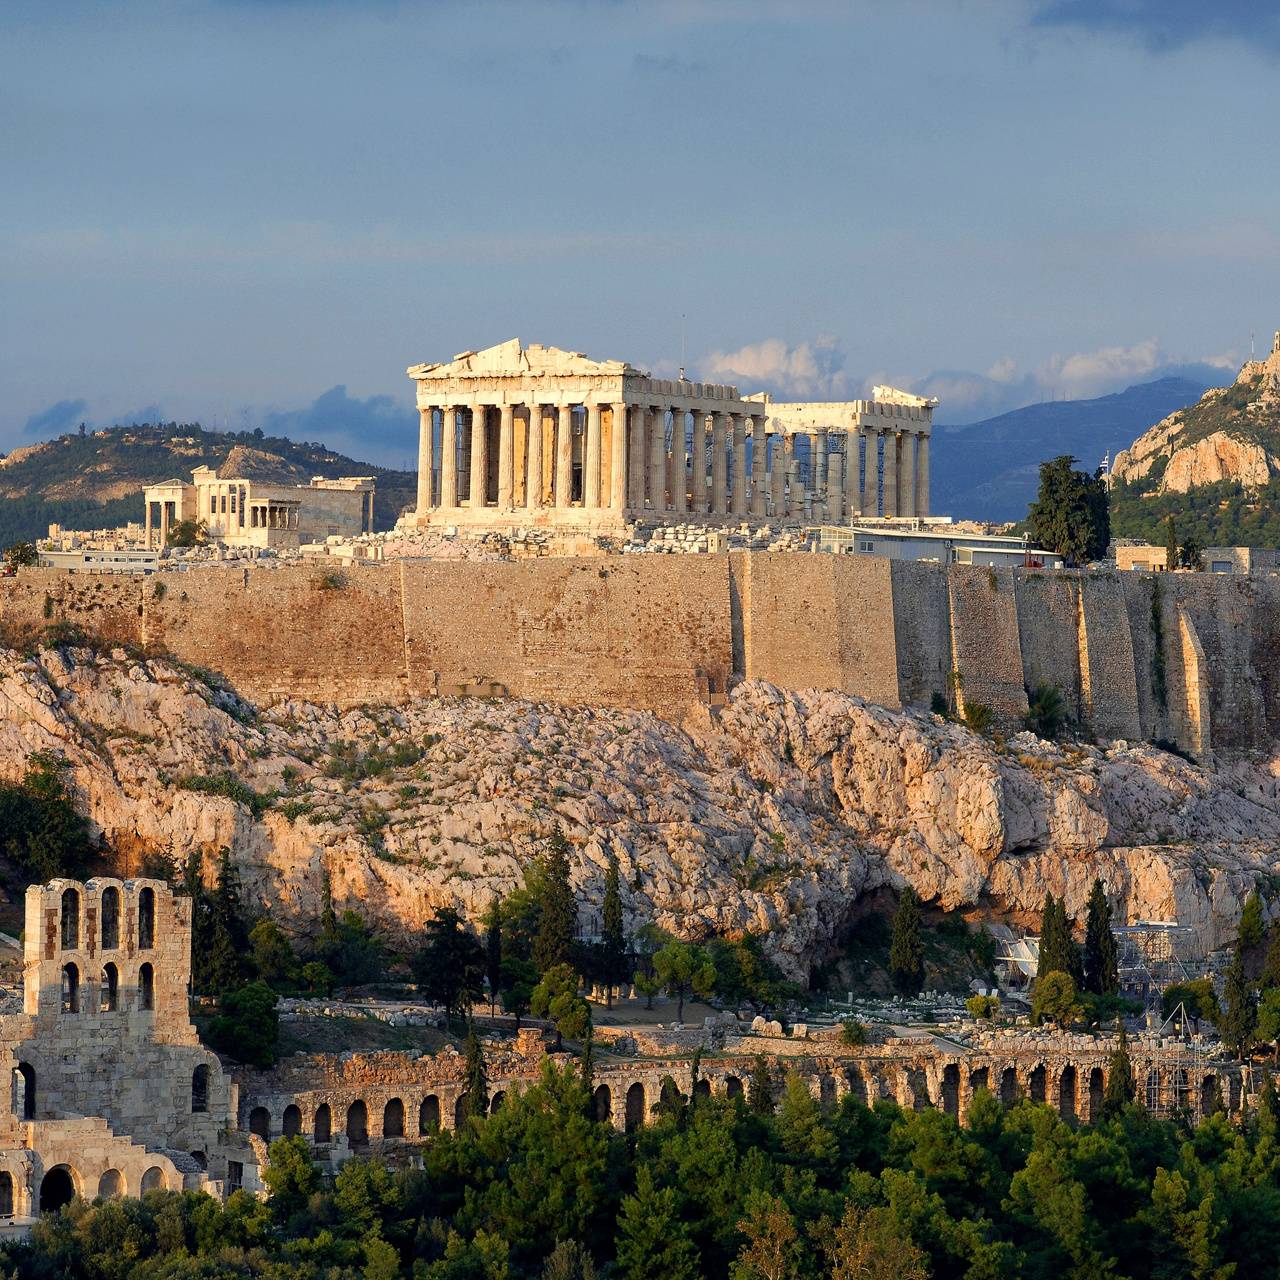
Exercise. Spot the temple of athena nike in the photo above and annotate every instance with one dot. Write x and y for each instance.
(535, 436)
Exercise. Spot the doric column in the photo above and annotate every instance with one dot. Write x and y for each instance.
(871, 479)
(777, 477)
(618, 455)
(591, 478)
(636, 468)
(148, 523)
(658, 460)
(791, 495)
(679, 462)
(424, 460)
(164, 524)
(852, 485)
(759, 456)
(739, 499)
(922, 477)
(719, 465)
(479, 456)
(506, 456)
(835, 492)
(533, 451)
(564, 454)
(818, 474)
(891, 473)
(699, 462)
(908, 505)
(448, 456)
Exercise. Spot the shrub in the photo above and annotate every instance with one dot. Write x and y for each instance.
(227, 785)
(248, 1027)
(978, 717)
(853, 1033)
(983, 1008)
(1046, 711)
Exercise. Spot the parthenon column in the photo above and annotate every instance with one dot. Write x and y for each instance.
(564, 454)
(479, 486)
(424, 465)
(759, 456)
(679, 461)
(922, 477)
(908, 503)
(739, 502)
(818, 474)
(699, 462)
(148, 517)
(591, 466)
(449, 456)
(777, 476)
(506, 454)
(636, 470)
(871, 480)
(618, 476)
(533, 448)
(852, 487)
(891, 473)
(719, 465)
(835, 492)
(658, 460)
(791, 495)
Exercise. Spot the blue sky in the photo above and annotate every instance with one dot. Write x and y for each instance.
(258, 212)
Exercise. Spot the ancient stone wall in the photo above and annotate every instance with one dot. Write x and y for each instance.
(986, 645)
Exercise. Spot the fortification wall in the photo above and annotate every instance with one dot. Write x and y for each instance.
(1192, 658)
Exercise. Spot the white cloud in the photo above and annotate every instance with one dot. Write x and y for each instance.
(812, 369)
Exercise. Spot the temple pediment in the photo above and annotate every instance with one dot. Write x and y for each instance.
(510, 359)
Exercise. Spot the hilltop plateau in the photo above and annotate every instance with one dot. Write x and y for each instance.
(95, 480)
(774, 814)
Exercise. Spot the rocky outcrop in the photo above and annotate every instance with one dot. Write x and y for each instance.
(773, 814)
(1215, 458)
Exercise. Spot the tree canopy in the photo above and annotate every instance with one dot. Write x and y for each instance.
(1070, 514)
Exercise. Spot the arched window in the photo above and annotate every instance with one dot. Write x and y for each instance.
(260, 1122)
(109, 992)
(393, 1119)
(111, 1185)
(110, 918)
(357, 1124)
(146, 987)
(70, 919)
(57, 1188)
(70, 989)
(24, 1091)
(322, 1130)
(6, 1195)
(147, 919)
(292, 1121)
(152, 1180)
(429, 1115)
(200, 1088)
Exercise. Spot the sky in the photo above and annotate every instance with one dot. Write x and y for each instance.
(259, 212)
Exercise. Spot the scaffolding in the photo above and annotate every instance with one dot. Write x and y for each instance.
(1154, 954)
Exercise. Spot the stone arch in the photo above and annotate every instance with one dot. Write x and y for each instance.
(70, 919)
(24, 1091)
(497, 1100)
(856, 1086)
(111, 1185)
(291, 1121)
(459, 1111)
(1210, 1095)
(70, 988)
(322, 1126)
(702, 1088)
(201, 1159)
(357, 1123)
(393, 1118)
(979, 1078)
(429, 1115)
(109, 990)
(200, 1088)
(260, 1122)
(1009, 1086)
(1067, 1093)
(1151, 1091)
(732, 1087)
(6, 1194)
(1038, 1083)
(146, 919)
(153, 1180)
(110, 918)
(827, 1092)
(1097, 1091)
(57, 1187)
(146, 987)
(635, 1106)
(603, 1103)
(951, 1090)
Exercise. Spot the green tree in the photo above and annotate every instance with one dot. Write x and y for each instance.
(760, 1087)
(1270, 976)
(771, 1248)
(519, 978)
(873, 1244)
(556, 906)
(272, 953)
(1239, 1014)
(682, 968)
(493, 950)
(219, 966)
(42, 834)
(1055, 1000)
(1058, 950)
(613, 942)
(1046, 711)
(1269, 1016)
(648, 985)
(1252, 928)
(906, 947)
(475, 1097)
(21, 555)
(1101, 975)
(247, 1026)
(291, 1175)
(1121, 1089)
(1070, 515)
(1197, 997)
(188, 533)
(1191, 555)
(1170, 543)
(652, 1239)
(449, 966)
(556, 997)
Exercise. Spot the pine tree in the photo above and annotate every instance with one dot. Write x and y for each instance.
(1101, 975)
(1251, 926)
(475, 1098)
(652, 1238)
(1121, 1087)
(760, 1087)
(493, 950)
(1270, 978)
(557, 909)
(613, 941)
(1239, 1011)
(906, 950)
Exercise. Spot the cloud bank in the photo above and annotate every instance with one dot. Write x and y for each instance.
(1164, 25)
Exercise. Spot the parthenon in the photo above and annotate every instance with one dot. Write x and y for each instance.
(534, 435)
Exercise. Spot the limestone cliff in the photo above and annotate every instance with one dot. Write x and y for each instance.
(776, 812)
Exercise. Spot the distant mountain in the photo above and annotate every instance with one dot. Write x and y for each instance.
(95, 480)
(990, 470)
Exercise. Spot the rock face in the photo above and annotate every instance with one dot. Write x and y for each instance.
(774, 813)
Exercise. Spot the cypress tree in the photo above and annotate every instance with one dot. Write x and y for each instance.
(760, 1087)
(613, 942)
(1271, 964)
(223, 963)
(475, 1098)
(1170, 544)
(1101, 975)
(1239, 1010)
(906, 950)
(1052, 953)
(557, 910)
(493, 950)
(1121, 1087)
(1251, 926)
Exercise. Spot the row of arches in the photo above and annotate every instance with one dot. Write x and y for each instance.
(78, 997)
(109, 919)
(61, 1184)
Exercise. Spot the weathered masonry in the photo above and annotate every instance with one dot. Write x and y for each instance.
(515, 436)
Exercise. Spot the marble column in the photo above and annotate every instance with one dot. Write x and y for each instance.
(852, 483)
(759, 456)
(699, 462)
(618, 454)
(908, 504)
(564, 454)
(719, 465)
(818, 475)
(922, 477)
(424, 461)
(506, 454)
(148, 517)
(449, 456)
(478, 490)
(636, 469)
(164, 524)
(739, 497)
(792, 498)
(679, 462)
(777, 477)
(533, 451)
(835, 490)
(891, 473)
(657, 460)
(591, 464)
(871, 480)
